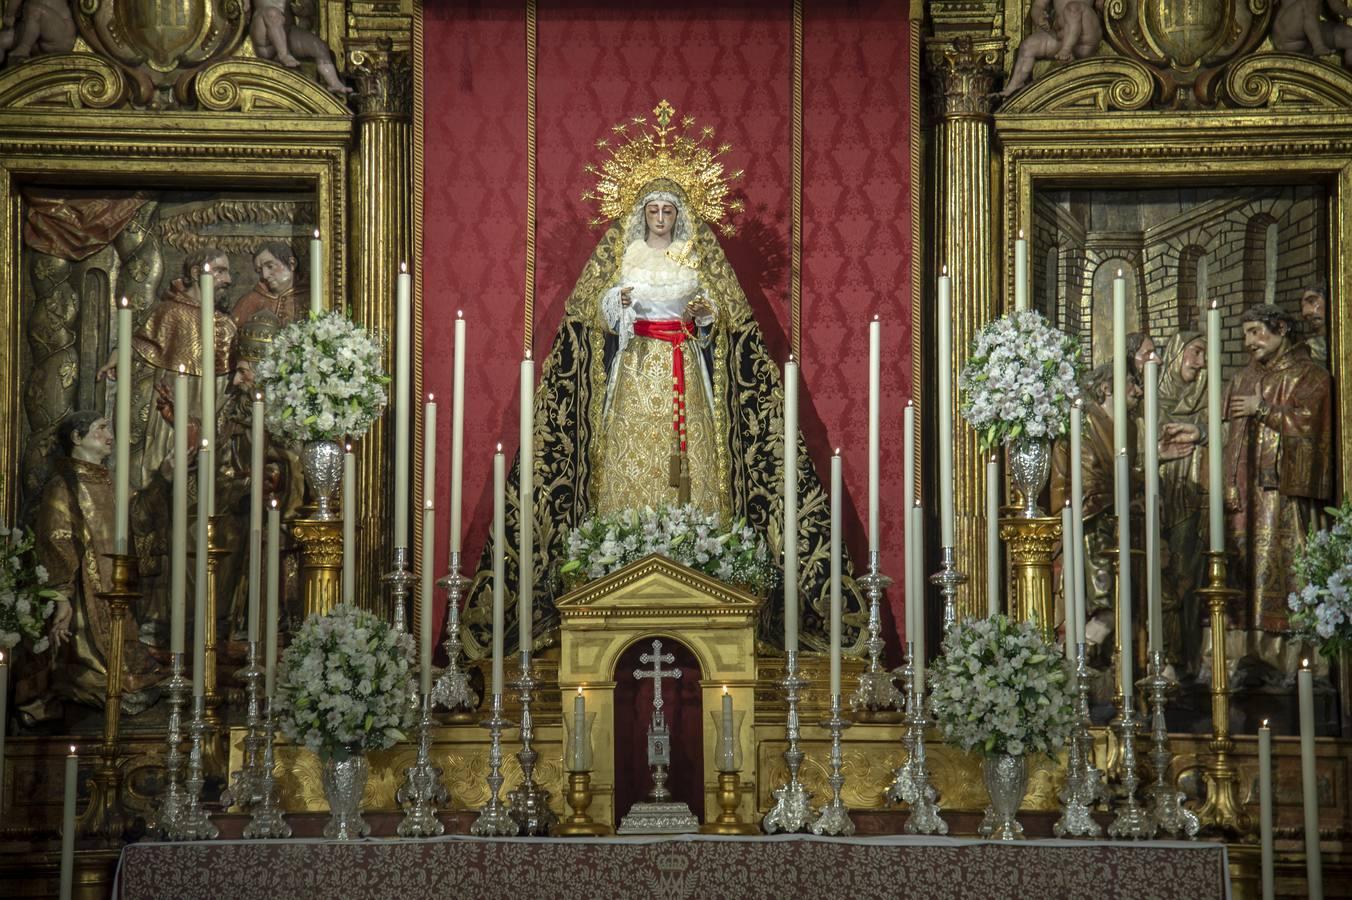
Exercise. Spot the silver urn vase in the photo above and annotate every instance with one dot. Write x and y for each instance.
(323, 465)
(1006, 780)
(1030, 462)
(344, 778)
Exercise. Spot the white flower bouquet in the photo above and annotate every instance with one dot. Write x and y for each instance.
(734, 554)
(1022, 376)
(1000, 687)
(25, 605)
(1321, 611)
(345, 683)
(322, 379)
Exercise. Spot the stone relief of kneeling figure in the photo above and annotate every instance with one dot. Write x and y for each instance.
(1076, 35)
(277, 35)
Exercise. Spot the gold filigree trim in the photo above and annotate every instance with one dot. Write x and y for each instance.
(1090, 85)
(250, 85)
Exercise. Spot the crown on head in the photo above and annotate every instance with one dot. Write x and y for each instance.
(680, 153)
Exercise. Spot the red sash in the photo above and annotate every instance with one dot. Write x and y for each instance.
(674, 332)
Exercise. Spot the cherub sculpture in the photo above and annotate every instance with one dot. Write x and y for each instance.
(279, 35)
(1299, 27)
(1075, 35)
(44, 25)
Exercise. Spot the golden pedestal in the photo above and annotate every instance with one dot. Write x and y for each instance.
(729, 798)
(321, 563)
(579, 796)
(1032, 544)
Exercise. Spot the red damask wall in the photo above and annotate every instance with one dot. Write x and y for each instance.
(729, 64)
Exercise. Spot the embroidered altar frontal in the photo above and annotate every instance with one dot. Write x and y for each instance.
(687, 866)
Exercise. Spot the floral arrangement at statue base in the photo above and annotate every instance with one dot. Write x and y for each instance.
(734, 554)
(1000, 689)
(1321, 611)
(25, 605)
(343, 690)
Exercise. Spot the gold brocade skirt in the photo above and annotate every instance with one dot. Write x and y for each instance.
(637, 438)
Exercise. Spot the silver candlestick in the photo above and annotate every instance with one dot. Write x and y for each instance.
(400, 579)
(877, 691)
(834, 817)
(529, 802)
(1084, 785)
(791, 809)
(195, 822)
(451, 690)
(1166, 803)
(422, 789)
(1132, 820)
(267, 820)
(494, 820)
(244, 787)
(949, 579)
(902, 789)
(913, 786)
(169, 819)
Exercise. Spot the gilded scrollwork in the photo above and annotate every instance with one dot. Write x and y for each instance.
(252, 86)
(1097, 85)
(1284, 81)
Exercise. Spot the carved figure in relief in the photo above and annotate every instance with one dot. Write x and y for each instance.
(279, 35)
(1314, 305)
(1076, 34)
(1299, 27)
(278, 292)
(45, 25)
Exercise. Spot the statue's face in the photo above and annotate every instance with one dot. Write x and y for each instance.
(220, 278)
(1262, 343)
(1193, 361)
(244, 373)
(1312, 309)
(97, 442)
(273, 272)
(1143, 353)
(660, 217)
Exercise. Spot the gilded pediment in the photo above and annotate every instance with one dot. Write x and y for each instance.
(658, 584)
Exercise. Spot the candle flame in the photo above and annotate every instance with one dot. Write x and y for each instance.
(123, 303)
(182, 369)
(2, 656)
(499, 448)
(1265, 723)
(1119, 273)
(909, 402)
(316, 234)
(427, 504)
(1078, 404)
(579, 690)
(916, 504)
(875, 317)
(347, 448)
(431, 398)
(944, 270)
(206, 268)
(837, 453)
(274, 502)
(725, 689)
(205, 443)
(72, 749)
(1304, 663)
(1020, 234)
(258, 396)
(527, 354)
(1215, 304)
(1067, 504)
(403, 268)
(1122, 452)
(459, 313)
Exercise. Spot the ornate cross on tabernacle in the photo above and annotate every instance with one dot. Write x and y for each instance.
(659, 743)
(657, 673)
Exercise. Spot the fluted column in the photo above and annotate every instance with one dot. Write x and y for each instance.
(963, 73)
(379, 239)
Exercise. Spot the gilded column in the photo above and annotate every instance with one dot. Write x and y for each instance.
(963, 71)
(380, 239)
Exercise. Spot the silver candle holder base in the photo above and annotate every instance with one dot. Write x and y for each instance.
(169, 817)
(877, 689)
(422, 790)
(400, 580)
(529, 802)
(912, 784)
(195, 822)
(1166, 803)
(246, 783)
(792, 800)
(834, 817)
(1084, 782)
(1132, 821)
(266, 820)
(948, 579)
(494, 819)
(451, 690)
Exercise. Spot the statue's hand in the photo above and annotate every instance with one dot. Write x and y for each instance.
(1240, 407)
(164, 402)
(61, 622)
(700, 307)
(626, 297)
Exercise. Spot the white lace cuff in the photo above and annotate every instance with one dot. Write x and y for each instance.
(620, 318)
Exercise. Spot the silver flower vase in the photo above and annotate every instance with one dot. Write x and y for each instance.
(344, 781)
(1030, 462)
(323, 465)
(1006, 780)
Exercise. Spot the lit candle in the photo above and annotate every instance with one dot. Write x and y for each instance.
(4, 695)
(349, 525)
(908, 496)
(835, 575)
(429, 472)
(1119, 360)
(579, 732)
(1309, 792)
(917, 598)
(499, 562)
(457, 430)
(199, 614)
(1068, 578)
(1214, 424)
(875, 342)
(1123, 509)
(525, 578)
(1077, 520)
(122, 432)
(993, 554)
(178, 560)
(68, 826)
(1265, 809)
(945, 357)
(207, 476)
(727, 761)
(316, 274)
(274, 578)
(1020, 272)
(255, 514)
(790, 505)
(1153, 577)
(425, 600)
(403, 342)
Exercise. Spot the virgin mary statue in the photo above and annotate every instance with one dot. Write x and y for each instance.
(659, 389)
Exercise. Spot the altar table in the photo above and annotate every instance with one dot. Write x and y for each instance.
(792, 867)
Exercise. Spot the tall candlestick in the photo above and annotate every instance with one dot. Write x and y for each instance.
(1068, 579)
(1154, 586)
(1119, 361)
(790, 505)
(199, 617)
(316, 275)
(908, 454)
(1020, 272)
(1265, 809)
(525, 578)
(457, 430)
(403, 343)
(835, 574)
(1077, 518)
(917, 598)
(425, 600)
(178, 559)
(727, 760)
(68, 825)
(1215, 436)
(579, 754)
(429, 485)
(1125, 660)
(274, 575)
(207, 476)
(875, 352)
(256, 475)
(945, 357)
(4, 696)
(499, 562)
(1309, 792)
(349, 525)
(993, 554)
(122, 432)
